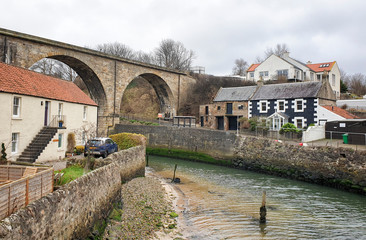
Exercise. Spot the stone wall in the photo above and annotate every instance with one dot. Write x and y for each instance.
(341, 168)
(71, 211)
(219, 144)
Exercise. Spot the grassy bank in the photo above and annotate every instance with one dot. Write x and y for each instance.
(187, 155)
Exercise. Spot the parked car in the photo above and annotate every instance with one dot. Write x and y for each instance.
(100, 146)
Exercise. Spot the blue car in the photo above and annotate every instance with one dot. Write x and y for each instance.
(100, 146)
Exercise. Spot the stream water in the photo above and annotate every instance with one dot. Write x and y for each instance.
(223, 203)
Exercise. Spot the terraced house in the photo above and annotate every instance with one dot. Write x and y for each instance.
(286, 68)
(38, 112)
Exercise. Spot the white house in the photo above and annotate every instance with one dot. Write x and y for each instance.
(33, 103)
(275, 68)
(332, 113)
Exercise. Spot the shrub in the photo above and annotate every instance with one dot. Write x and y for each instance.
(289, 127)
(79, 149)
(71, 142)
(128, 140)
(3, 154)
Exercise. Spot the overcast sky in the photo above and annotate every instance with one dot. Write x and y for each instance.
(218, 31)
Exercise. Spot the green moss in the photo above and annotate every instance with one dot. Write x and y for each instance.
(188, 155)
(127, 140)
(173, 214)
(71, 173)
(116, 214)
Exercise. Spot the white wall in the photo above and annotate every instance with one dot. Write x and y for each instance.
(337, 87)
(325, 114)
(31, 121)
(272, 64)
(313, 133)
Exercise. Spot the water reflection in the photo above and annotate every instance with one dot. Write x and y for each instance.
(223, 203)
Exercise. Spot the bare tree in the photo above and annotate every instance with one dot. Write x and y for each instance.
(117, 49)
(54, 68)
(258, 59)
(240, 67)
(357, 84)
(85, 133)
(278, 50)
(172, 54)
(145, 57)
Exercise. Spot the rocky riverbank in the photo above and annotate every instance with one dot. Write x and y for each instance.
(147, 211)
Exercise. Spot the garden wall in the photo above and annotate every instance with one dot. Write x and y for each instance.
(71, 211)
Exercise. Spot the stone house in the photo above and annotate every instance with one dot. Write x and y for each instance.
(296, 103)
(228, 106)
(287, 68)
(38, 112)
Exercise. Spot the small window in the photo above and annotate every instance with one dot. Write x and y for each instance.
(299, 123)
(319, 77)
(266, 73)
(206, 118)
(85, 113)
(206, 110)
(240, 107)
(281, 106)
(16, 107)
(60, 140)
(299, 105)
(263, 106)
(252, 74)
(218, 107)
(14, 142)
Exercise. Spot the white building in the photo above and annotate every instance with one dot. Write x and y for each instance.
(287, 68)
(32, 103)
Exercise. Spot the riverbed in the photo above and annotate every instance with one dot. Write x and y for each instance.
(223, 203)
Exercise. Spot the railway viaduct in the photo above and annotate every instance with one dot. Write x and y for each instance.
(105, 76)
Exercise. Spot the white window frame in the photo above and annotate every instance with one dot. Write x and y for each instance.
(303, 105)
(85, 112)
(14, 142)
(16, 114)
(260, 104)
(278, 106)
(251, 75)
(303, 120)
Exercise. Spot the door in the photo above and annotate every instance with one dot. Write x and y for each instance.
(202, 123)
(47, 112)
(233, 123)
(220, 123)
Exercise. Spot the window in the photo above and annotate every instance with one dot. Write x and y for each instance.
(263, 74)
(299, 123)
(229, 108)
(297, 74)
(60, 109)
(312, 76)
(319, 77)
(252, 74)
(283, 72)
(240, 107)
(16, 107)
(85, 112)
(14, 142)
(60, 140)
(83, 138)
(280, 105)
(218, 107)
(299, 105)
(333, 79)
(263, 106)
(206, 110)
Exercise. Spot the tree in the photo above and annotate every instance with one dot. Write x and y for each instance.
(357, 84)
(85, 133)
(344, 87)
(240, 67)
(54, 68)
(172, 54)
(278, 50)
(117, 49)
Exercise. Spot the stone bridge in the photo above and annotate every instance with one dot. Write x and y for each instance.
(105, 76)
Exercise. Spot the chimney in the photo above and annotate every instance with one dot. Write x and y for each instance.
(260, 82)
(286, 54)
(309, 62)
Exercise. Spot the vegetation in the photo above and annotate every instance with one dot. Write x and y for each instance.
(140, 122)
(289, 127)
(128, 140)
(3, 154)
(79, 149)
(188, 155)
(71, 142)
(70, 173)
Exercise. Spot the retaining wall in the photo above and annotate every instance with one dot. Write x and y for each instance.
(72, 211)
(219, 144)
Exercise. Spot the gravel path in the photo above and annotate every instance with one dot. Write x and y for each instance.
(147, 212)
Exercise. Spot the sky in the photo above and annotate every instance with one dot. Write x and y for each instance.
(218, 31)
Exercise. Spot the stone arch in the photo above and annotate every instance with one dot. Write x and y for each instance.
(89, 77)
(163, 92)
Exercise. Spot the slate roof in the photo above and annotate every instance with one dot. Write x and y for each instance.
(341, 112)
(235, 94)
(25, 82)
(288, 91)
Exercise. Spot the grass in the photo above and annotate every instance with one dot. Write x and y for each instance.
(187, 155)
(71, 173)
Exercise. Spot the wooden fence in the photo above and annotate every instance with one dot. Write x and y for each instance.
(21, 185)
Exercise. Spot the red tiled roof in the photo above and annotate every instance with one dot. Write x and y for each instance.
(341, 112)
(320, 67)
(253, 67)
(25, 82)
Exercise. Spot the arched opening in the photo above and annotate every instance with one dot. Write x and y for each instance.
(146, 96)
(87, 75)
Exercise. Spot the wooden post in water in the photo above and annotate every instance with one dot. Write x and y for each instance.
(147, 160)
(175, 169)
(263, 210)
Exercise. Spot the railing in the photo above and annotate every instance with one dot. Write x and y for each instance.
(58, 121)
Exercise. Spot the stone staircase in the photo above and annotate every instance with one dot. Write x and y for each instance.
(38, 144)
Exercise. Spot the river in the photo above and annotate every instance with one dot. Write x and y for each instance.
(223, 203)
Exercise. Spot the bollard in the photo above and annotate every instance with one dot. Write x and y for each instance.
(263, 210)
(175, 168)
